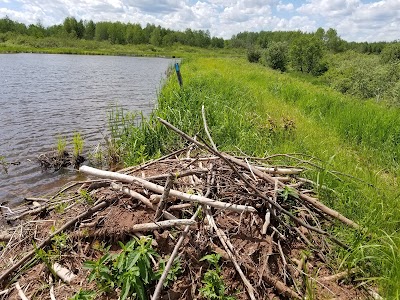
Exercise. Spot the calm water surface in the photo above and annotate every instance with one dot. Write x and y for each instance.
(45, 96)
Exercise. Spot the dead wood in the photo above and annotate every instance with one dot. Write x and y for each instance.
(269, 279)
(159, 189)
(161, 225)
(70, 223)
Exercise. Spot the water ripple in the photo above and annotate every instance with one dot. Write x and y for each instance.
(45, 96)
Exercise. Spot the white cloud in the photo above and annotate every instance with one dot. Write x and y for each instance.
(285, 7)
(354, 19)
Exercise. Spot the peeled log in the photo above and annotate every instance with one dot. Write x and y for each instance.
(162, 224)
(160, 189)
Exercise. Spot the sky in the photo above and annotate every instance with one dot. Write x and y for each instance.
(354, 20)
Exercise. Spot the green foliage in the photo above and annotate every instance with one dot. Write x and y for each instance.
(130, 270)
(213, 285)
(84, 295)
(253, 55)
(305, 54)
(364, 76)
(61, 145)
(391, 53)
(276, 56)
(77, 142)
(86, 196)
(173, 273)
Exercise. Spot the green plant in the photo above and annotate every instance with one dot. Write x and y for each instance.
(86, 196)
(77, 142)
(61, 146)
(130, 270)
(61, 207)
(213, 285)
(84, 295)
(173, 273)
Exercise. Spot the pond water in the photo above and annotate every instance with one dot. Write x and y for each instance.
(46, 96)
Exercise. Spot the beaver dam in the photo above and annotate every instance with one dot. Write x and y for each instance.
(195, 224)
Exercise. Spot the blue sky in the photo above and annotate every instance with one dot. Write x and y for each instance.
(355, 20)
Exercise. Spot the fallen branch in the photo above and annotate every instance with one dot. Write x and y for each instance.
(269, 279)
(229, 249)
(159, 189)
(66, 275)
(20, 291)
(171, 259)
(160, 225)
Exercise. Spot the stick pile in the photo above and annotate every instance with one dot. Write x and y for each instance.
(261, 219)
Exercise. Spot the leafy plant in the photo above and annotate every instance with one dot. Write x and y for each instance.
(86, 196)
(213, 285)
(84, 295)
(173, 273)
(129, 270)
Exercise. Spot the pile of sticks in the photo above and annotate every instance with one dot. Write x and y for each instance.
(257, 217)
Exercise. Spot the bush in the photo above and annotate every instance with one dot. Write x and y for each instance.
(253, 55)
(391, 53)
(276, 56)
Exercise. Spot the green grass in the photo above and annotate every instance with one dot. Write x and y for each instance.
(253, 110)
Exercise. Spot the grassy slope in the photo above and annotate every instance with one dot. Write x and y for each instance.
(247, 108)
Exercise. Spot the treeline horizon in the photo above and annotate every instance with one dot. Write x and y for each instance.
(135, 34)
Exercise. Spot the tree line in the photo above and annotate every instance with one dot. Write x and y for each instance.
(113, 32)
(134, 33)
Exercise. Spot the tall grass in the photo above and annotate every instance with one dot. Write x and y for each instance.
(256, 111)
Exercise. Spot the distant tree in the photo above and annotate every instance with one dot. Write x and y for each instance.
(101, 32)
(155, 37)
(217, 42)
(276, 56)
(320, 34)
(333, 42)
(90, 30)
(306, 53)
(391, 53)
(135, 34)
(116, 33)
(71, 26)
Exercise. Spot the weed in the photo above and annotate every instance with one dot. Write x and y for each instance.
(173, 273)
(213, 285)
(129, 270)
(86, 196)
(84, 295)
(77, 142)
(61, 146)
(60, 208)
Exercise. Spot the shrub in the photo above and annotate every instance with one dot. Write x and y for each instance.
(253, 55)
(276, 56)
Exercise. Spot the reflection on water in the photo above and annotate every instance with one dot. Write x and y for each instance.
(45, 96)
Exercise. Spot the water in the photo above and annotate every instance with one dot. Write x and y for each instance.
(45, 96)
